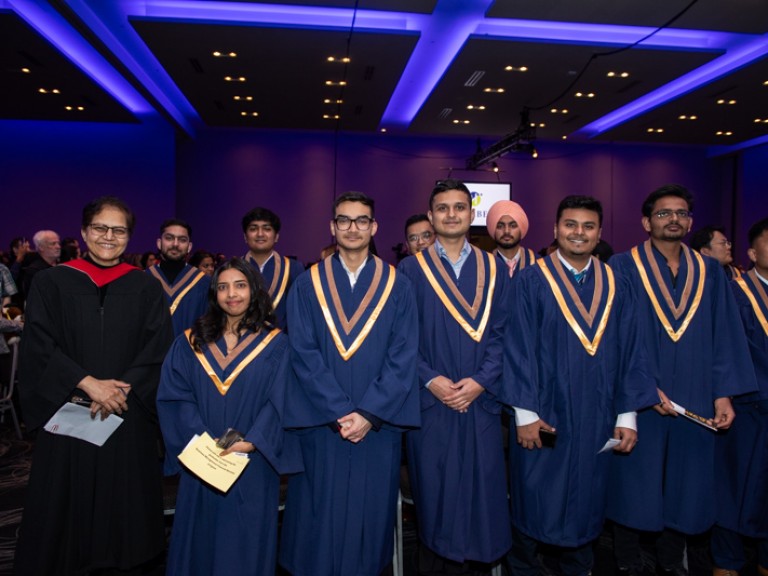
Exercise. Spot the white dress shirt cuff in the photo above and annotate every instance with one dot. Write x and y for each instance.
(524, 417)
(627, 420)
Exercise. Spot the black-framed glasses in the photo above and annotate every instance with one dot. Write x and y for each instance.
(426, 236)
(666, 214)
(102, 230)
(362, 223)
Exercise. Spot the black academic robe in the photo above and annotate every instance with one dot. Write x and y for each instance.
(90, 507)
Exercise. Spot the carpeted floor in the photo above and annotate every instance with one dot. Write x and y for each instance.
(15, 458)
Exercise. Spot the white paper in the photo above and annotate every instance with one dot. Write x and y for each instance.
(610, 445)
(75, 420)
(691, 416)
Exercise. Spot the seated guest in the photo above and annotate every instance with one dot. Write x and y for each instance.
(203, 261)
(227, 372)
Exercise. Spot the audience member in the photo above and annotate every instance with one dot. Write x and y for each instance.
(711, 241)
(203, 261)
(419, 233)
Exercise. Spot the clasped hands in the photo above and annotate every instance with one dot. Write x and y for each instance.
(456, 395)
(108, 396)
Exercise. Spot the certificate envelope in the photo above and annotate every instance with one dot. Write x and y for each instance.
(76, 421)
(201, 457)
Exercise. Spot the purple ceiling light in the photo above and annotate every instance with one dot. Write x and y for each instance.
(52, 26)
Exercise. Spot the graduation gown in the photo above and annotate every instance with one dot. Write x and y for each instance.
(187, 296)
(90, 507)
(456, 461)
(232, 533)
(742, 452)
(340, 513)
(573, 355)
(698, 352)
(279, 274)
(527, 258)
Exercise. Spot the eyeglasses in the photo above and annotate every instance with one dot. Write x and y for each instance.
(101, 230)
(726, 243)
(426, 236)
(666, 214)
(345, 222)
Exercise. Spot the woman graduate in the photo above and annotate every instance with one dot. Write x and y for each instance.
(227, 372)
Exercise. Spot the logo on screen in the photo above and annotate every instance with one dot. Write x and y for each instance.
(476, 199)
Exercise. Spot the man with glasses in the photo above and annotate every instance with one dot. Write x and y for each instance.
(699, 357)
(185, 287)
(354, 340)
(419, 233)
(456, 460)
(711, 241)
(507, 224)
(261, 230)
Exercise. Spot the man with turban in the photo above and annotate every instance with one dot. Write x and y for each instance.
(507, 225)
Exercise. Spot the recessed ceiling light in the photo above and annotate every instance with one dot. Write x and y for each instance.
(219, 54)
(565, 137)
(334, 83)
(494, 90)
(618, 74)
(686, 117)
(26, 70)
(383, 129)
(332, 101)
(74, 108)
(331, 116)
(246, 98)
(516, 68)
(556, 111)
(344, 60)
(729, 102)
(765, 83)
(234, 78)
(723, 133)
(49, 91)
(585, 94)
(244, 113)
(474, 107)
(457, 121)
(655, 130)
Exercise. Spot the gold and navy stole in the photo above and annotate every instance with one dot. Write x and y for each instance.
(279, 279)
(473, 318)
(349, 333)
(181, 287)
(247, 350)
(589, 326)
(527, 258)
(674, 318)
(734, 271)
(754, 288)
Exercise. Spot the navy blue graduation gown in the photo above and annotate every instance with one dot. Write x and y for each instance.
(279, 274)
(558, 494)
(456, 461)
(668, 479)
(742, 452)
(236, 532)
(187, 297)
(340, 513)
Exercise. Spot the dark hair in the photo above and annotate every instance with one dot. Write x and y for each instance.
(145, 258)
(95, 206)
(16, 242)
(176, 222)
(262, 214)
(757, 230)
(415, 219)
(675, 190)
(198, 256)
(449, 184)
(603, 251)
(582, 203)
(703, 236)
(354, 197)
(210, 326)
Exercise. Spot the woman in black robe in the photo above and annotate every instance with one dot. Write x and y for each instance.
(96, 333)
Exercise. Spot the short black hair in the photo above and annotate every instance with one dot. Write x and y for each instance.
(703, 236)
(449, 184)
(415, 219)
(756, 231)
(354, 197)
(675, 190)
(95, 206)
(176, 222)
(260, 214)
(583, 203)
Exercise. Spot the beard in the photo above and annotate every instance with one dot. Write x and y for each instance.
(507, 245)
